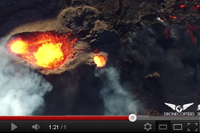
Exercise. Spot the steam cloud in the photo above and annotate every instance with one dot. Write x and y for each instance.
(116, 99)
(21, 90)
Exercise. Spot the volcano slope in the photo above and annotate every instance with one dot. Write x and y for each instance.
(152, 43)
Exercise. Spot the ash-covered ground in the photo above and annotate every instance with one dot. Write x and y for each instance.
(152, 53)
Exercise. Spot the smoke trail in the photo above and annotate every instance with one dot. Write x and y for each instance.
(21, 90)
(116, 99)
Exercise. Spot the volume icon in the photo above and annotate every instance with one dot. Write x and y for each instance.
(36, 127)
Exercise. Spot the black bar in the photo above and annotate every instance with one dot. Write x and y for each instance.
(101, 126)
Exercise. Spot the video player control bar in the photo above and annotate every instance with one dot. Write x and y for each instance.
(103, 125)
(99, 126)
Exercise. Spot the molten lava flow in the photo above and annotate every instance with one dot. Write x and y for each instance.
(166, 32)
(49, 54)
(174, 17)
(192, 37)
(100, 60)
(195, 7)
(193, 27)
(182, 6)
(19, 47)
(48, 50)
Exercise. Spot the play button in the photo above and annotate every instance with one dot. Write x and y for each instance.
(13, 127)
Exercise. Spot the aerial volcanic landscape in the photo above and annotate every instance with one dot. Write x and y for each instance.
(98, 57)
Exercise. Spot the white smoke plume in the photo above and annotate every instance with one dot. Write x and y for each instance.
(117, 100)
(21, 90)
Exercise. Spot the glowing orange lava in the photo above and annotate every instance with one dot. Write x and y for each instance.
(48, 50)
(100, 60)
(19, 47)
(174, 17)
(182, 6)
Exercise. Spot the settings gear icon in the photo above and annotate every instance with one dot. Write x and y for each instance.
(147, 126)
